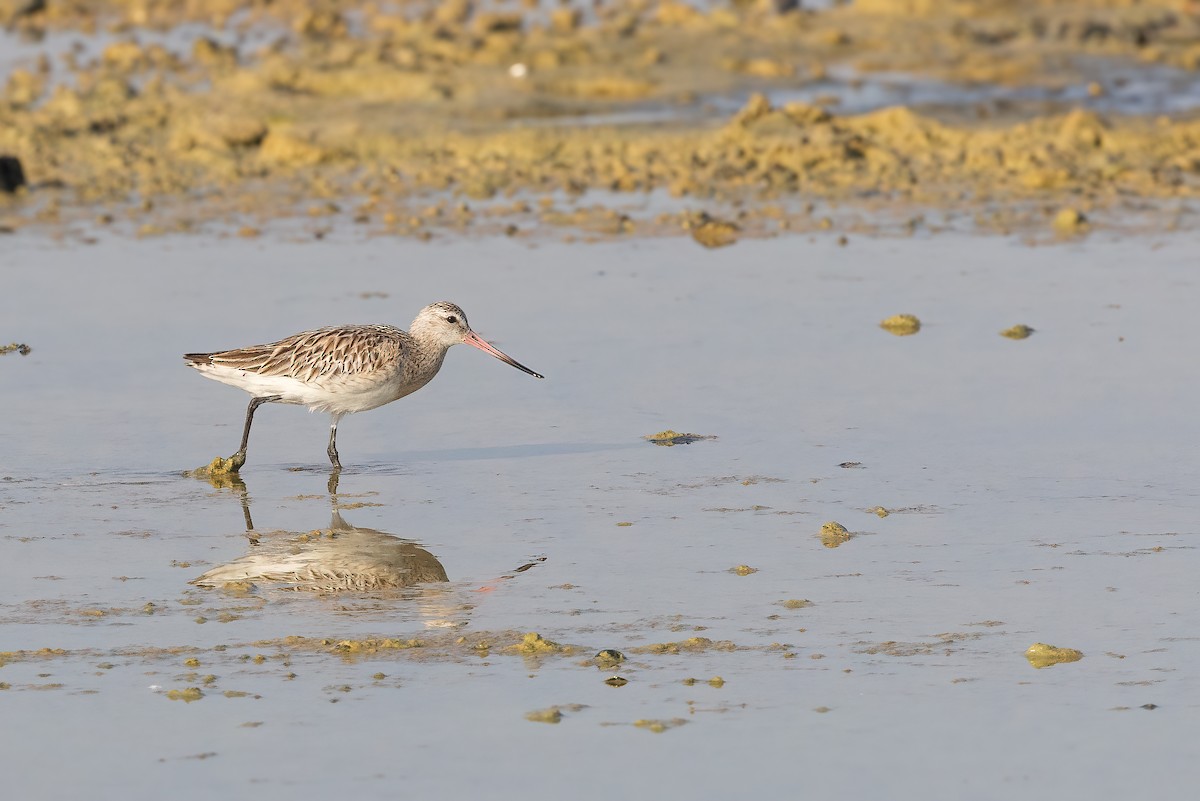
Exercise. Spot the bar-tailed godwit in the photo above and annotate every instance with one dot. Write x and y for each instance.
(343, 369)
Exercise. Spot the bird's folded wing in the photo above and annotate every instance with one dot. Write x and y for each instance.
(324, 353)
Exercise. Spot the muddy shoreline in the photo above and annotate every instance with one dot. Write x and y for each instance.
(180, 118)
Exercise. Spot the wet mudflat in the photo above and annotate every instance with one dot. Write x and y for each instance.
(996, 493)
(181, 118)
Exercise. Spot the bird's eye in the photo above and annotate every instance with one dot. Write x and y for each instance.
(452, 319)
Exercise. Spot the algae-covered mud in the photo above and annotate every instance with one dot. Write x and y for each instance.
(411, 119)
(512, 588)
(1041, 655)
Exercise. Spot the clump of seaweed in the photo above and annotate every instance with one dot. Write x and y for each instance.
(902, 325)
(1041, 655)
(1019, 331)
(671, 437)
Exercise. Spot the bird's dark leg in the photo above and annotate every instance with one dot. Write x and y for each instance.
(332, 451)
(239, 458)
(244, 495)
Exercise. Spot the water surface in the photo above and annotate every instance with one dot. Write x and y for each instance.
(1040, 490)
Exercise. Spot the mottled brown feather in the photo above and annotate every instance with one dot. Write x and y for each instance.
(312, 356)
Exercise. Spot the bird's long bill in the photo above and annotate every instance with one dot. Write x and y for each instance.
(473, 340)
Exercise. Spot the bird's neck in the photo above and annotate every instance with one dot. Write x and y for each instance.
(424, 361)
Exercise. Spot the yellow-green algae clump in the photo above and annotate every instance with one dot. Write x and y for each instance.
(902, 325)
(659, 726)
(715, 681)
(690, 645)
(1018, 331)
(221, 472)
(534, 644)
(1069, 222)
(553, 714)
(834, 534)
(671, 437)
(373, 645)
(714, 233)
(223, 465)
(549, 715)
(40, 653)
(1041, 655)
(608, 658)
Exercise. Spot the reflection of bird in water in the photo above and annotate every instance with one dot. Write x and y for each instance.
(345, 559)
(338, 559)
(344, 369)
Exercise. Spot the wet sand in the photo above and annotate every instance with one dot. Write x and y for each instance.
(182, 119)
(1034, 491)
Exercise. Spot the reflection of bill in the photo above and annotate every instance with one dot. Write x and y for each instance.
(342, 558)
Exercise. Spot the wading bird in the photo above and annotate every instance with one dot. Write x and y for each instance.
(343, 369)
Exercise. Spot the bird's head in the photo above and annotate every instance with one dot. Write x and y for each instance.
(445, 324)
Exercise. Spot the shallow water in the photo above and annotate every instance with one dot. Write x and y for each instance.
(1041, 490)
(1125, 88)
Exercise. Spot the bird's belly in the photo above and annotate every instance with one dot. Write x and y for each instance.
(344, 394)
